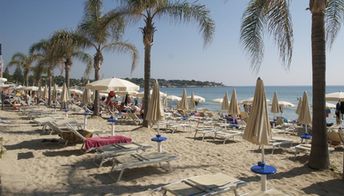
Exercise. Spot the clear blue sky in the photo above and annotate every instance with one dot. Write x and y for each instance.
(178, 51)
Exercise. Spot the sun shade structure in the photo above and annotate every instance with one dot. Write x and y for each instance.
(336, 96)
(155, 110)
(224, 102)
(45, 92)
(233, 105)
(113, 84)
(258, 130)
(183, 104)
(275, 104)
(299, 105)
(86, 96)
(305, 114)
(54, 94)
(65, 94)
(192, 102)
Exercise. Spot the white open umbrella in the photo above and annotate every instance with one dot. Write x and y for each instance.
(113, 84)
(218, 100)
(258, 130)
(336, 96)
(173, 98)
(198, 98)
(285, 104)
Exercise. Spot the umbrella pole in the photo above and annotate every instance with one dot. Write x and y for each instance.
(306, 128)
(85, 121)
(263, 177)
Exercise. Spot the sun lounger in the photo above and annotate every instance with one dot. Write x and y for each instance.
(279, 142)
(139, 160)
(226, 134)
(99, 141)
(210, 184)
(306, 148)
(108, 152)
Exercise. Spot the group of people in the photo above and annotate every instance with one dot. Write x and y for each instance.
(126, 105)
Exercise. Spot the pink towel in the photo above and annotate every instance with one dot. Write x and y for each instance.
(95, 142)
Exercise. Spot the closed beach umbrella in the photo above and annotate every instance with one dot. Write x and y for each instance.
(224, 102)
(155, 110)
(275, 107)
(233, 105)
(183, 104)
(39, 92)
(54, 94)
(258, 130)
(305, 114)
(192, 102)
(65, 94)
(299, 104)
(86, 96)
(45, 92)
(336, 96)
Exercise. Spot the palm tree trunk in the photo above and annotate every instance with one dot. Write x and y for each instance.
(98, 59)
(26, 76)
(49, 89)
(319, 157)
(148, 33)
(68, 65)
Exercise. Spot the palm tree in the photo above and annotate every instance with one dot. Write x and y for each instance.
(103, 32)
(47, 60)
(275, 15)
(67, 46)
(25, 62)
(154, 9)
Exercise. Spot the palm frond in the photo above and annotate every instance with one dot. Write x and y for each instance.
(251, 32)
(280, 27)
(334, 16)
(186, 12)
(125, 47)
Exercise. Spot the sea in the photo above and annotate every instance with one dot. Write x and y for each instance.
(284, 93)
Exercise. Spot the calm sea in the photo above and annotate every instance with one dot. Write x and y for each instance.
(284, 93)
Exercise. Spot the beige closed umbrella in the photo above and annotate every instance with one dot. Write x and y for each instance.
(224, 102)
(64, 97)
(54, 94)
(155, 110)
(86, 97)
(299, 104)
(234, 109)
(192, 105)
(305, 114)
(45, 93)
(258, 129)
(183, 104)
(275, 106)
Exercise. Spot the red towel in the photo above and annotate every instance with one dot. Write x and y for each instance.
(95, 142)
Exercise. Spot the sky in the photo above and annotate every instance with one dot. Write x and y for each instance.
(178, 51)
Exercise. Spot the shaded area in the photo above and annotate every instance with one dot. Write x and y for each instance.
(37, 144)
(332, 187)
(25, 155)
(64, 153)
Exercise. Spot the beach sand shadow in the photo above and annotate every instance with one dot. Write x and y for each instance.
(25, 155)
(64, 153)
(332, 187)
(37, 144)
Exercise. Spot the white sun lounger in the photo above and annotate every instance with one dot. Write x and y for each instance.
(227, 135)
(139, 160)
(306, 148)
(204, 185)
(108, 152)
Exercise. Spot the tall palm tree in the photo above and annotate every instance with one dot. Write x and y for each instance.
(104, 32)
(275, 15)
(67, 45)
(24, 62)
(151, 10)
(47, 60)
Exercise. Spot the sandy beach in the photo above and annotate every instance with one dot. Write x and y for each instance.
(35, 165)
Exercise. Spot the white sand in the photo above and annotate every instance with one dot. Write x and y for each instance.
(33, 167)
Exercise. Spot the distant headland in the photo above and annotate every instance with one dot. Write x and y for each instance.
(177, 83)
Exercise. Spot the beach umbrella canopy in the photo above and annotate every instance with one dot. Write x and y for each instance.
(285, 104)
(275, 104)
(198, 98)
(65, 94)
(218, 100)
(224, 102)
(336, 96)
(173, 98)
(192, 102)
(305, 114)
(155, 110)
(76, 91)
(258, 130)
(183, 104)
(86, 96)
(330, 105)
(113, 84)
(299, 104)
(233, 105)
(249, 101)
